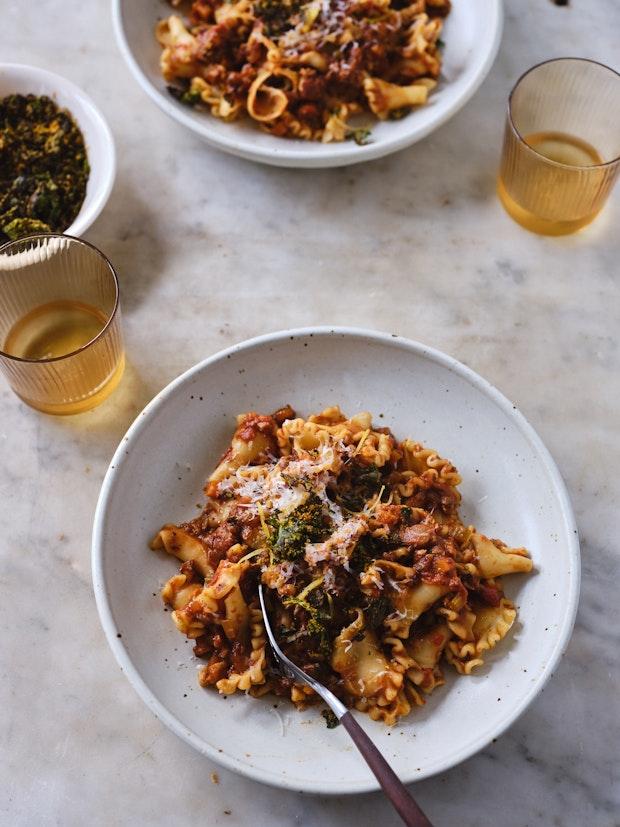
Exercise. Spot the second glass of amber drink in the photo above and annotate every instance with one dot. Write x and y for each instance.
(61, 346)
(561, 153)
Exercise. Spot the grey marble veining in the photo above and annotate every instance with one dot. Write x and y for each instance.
(212, 250)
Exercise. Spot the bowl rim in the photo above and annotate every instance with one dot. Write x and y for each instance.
(291, 153)
(419, 349)
(105, 161)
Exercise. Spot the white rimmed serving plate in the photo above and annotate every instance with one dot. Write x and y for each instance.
(472, 34)
(511, 489)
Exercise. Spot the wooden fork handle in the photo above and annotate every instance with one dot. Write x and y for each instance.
(395, 790)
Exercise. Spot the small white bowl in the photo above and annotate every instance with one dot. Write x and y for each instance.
(511, 489)
(472, 34)
(19, 79)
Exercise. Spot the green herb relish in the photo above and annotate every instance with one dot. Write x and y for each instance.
(43, 167)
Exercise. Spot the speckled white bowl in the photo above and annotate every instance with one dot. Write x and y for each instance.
(472, 34)
(16, 78)
(511, 489)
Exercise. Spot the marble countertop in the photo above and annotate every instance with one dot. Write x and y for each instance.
(212, 250)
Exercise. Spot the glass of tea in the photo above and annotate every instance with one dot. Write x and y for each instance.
(61, 346)
(561, 153)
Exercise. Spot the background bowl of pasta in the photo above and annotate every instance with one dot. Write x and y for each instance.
(511, 488)
(469, 42)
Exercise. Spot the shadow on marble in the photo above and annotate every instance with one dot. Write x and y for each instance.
(415, 183)
(132, 234)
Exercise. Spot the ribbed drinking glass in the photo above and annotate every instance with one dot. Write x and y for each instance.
(561, 153)
(61, 345)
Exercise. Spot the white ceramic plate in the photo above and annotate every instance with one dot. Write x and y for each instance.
(472, 34)
(511, 489)
(20, 79)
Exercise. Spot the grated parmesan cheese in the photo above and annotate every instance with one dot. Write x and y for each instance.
(339, 547)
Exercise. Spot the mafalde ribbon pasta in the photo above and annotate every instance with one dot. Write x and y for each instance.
(374, 582)
(304, 69)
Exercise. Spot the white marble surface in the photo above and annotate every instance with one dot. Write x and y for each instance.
(212, 250)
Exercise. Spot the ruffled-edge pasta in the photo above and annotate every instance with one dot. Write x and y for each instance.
(374, 582)
(426, 650)
(494, 558)
(411, 603)
(365, 670)
(218, 601)
(183, 545)
(253, 674)
(491, 624)
(179, 591)
(384, 97)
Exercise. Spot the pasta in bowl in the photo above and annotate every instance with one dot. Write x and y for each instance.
(302, 69)
(374, 578)
(470, 33)
(510, 489)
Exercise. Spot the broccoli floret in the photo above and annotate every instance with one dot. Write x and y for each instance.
(368, 548)
(330, 719)
(361, 136)
(376, 612)
(317, 621)
(365, 482)
(306, 524)
(399, 114)
(276, 15)
(298, 601)
(318, 627)
(190, 97)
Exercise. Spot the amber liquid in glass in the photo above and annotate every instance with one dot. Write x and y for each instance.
(550, 188)
(54, 329)
(565, 149)
(57, 329)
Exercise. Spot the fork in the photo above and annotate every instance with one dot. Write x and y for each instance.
(394, 789)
